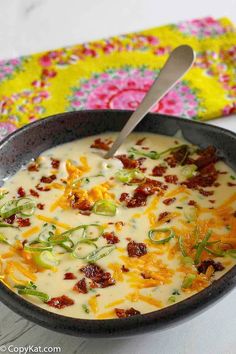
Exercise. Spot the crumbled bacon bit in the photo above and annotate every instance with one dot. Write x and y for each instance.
(212, 201)
(77, 203)
(130, 163)
(139, 198)
(34, 193)
(178, 156)
(205, 178)
(124, 269)
(121, 313)
(60, 302)
(234, 214)
(205, 193)
(101, 144)
(140, 141)
(192, 202)
(23, 222)
(42, 189)
(55, 163)
(48, 179)
(21, 192)
(136, 249)
(99, 278)
(40, 206)
(69, 276)
(169, 201)
(81, 286)
(33, 167)
(171, 179)
(207, 157)
(111, 237)
(163, 216)
(202, 268)
(124, 197)
(159, 171)
(85, 212)
(230, 184)
(10, 220)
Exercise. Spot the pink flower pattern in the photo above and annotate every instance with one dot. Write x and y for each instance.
(201, 28)
(125, 89)
(8, 67)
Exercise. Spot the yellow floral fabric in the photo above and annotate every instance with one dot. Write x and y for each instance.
(116, 73)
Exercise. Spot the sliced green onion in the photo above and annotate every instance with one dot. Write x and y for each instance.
(214, 253)
(181, 246)
(6, 225)
(171, 149)
(48, 231)
(187, 260)
(152, 233)
(30, 285)
(201, 247)
(38, 247)
(78, 249)
(30, 289)
(45, 259)
(26, 205)
(100, 253)
(126, 176)
(87, 233)
(59, 239)
(104, 207)
(85, 308)
(188, 280)
(188, 171)
(82, 181)
(3, 239)
(154, 155)
(233, 177)
(231, 253)
(17, 206)
(172, 299)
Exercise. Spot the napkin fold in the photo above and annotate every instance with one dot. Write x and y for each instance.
(116, 73)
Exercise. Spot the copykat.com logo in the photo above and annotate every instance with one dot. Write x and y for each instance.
(28, 349)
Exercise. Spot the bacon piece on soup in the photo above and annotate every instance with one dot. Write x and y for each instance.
(111, 237)
(69, 276)
(136, 249)
(101, 144)
(122, 313)
(100, 278)
(55, 163)
(60, 302)
(81, 286)
(48, 179)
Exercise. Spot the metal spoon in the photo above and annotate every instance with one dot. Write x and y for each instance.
(178, 63)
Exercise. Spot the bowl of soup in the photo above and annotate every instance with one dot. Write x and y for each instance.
(135, 243)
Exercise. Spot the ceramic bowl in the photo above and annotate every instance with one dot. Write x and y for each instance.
(31, 140)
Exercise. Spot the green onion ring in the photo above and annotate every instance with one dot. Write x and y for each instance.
(83, 241)
(164, 240)
(98, 253)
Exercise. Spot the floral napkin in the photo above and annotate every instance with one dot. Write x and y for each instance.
(116, 73)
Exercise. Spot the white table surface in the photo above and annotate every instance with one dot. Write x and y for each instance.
(28, 26)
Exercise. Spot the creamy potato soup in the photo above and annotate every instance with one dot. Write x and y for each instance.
(92, 238)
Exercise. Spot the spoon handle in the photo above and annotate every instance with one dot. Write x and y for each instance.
(178, 63)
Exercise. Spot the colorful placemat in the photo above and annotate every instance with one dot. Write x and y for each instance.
(115, 73)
